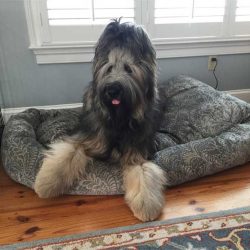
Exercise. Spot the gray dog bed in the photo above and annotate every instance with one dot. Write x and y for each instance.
(204, 131)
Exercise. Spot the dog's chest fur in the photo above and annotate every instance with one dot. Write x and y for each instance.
(115, 141)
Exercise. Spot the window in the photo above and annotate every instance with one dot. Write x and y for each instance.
(243, 11)
(81, 17)
(241, 26)
(88, 12)
(66, 30)
(186, 11)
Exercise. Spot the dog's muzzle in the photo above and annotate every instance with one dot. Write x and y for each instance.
(113, 93)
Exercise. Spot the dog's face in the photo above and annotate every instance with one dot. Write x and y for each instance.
(124, 71)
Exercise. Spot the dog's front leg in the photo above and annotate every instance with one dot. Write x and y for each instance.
(64, 163)
(144, 186)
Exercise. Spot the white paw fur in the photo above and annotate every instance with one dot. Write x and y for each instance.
(144, 186)
(63, 164)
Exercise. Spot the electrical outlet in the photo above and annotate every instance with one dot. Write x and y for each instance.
(212, 62)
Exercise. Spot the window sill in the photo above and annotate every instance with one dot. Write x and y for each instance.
(75, 53)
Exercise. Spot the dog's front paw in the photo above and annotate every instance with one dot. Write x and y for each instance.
(62, 165)
(49, 180)
(147, 207)
(47, 186)
(144, 190)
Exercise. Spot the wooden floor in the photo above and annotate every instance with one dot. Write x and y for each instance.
(25, 217)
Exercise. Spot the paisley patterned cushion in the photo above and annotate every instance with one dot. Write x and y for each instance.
(204, 131)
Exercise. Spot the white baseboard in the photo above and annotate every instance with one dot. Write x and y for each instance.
(243, 94)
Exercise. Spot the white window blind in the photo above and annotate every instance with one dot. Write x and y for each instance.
(88, 12)
(243, 11)
(80, 21)
(188, 19)
(186, 11)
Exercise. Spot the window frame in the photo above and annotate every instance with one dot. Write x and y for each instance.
(75, 52)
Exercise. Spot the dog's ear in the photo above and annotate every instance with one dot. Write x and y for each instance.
(105, 43)
(108, 38)
(146, 47)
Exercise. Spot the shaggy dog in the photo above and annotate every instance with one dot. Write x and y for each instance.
(119, 119)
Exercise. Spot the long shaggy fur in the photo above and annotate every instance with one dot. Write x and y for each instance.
(121, 112)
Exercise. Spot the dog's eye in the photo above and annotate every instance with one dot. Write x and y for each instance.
(127, 69)
(109, 69)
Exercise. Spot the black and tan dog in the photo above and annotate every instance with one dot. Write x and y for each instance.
(119, 119)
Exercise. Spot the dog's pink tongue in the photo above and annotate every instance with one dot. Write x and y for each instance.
(116, 102)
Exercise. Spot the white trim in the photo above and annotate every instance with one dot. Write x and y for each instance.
(243, 94)
(202, 47)
(63, 54)
(73, 53)
(30, 22)
(33, 19)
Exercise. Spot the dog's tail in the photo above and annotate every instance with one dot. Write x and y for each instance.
(64, 163)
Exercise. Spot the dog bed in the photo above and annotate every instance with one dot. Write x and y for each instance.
(204, 131)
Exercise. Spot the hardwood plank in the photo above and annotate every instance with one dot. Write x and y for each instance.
(25, 217)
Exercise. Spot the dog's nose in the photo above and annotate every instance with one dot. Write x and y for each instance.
(113, 90)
